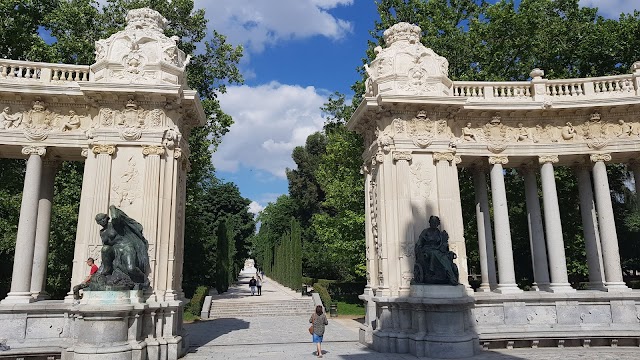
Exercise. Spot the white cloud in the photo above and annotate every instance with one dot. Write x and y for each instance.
(612, 8)
(258, 23)
(269, 121)
(255, 208)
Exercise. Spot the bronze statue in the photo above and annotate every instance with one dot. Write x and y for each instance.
(434, 262)
(125, 257)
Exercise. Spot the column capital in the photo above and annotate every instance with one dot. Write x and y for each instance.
(377, 158)
(84, 152)
(544, 159)
(177, 153)
(499, 159)
(600, 157)
(402, 156)
(152, 150)
(104, 149)
(444, 156)
(34, 150)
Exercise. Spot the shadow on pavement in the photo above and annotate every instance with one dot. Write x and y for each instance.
(371, 354)
(203, 332)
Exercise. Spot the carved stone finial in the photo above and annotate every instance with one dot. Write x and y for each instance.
(34, 150)
(635, 67)
(548, 159)
(501, 159)
(402, 32)
(600, 157)
(536, 74)
(104, 149)
(152, 150)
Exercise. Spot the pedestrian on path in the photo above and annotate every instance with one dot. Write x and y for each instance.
(259, 285)
(318, 320)
(252, 285)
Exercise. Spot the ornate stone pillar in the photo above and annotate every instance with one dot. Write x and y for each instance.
(553, 227)
(607, 225)
(151, 199)
(536, 231)
(405, 219)
(102, 188)
(387, 236)
(590, 228)
(485, 234)
(41, 251)
(451, 209)
(504, 249)
(26, 236)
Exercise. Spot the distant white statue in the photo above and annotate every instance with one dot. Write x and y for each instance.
(249, 267)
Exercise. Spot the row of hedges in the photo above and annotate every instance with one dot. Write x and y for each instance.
(346, 291)
(324, 294)
(195, 305)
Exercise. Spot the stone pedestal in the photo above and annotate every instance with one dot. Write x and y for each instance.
(434, 321)
(108, 326)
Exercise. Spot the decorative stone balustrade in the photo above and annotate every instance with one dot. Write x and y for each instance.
(14, 70)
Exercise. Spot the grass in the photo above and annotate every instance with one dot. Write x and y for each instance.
(189, 317)
(345, 308)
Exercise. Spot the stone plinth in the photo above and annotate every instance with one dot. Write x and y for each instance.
(434, 321)
(108, 327)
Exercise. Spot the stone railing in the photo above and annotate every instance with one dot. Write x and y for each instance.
(539, 88)
(14, 70)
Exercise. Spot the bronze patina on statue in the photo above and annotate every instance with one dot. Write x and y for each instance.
(125, 257)
(434, 262)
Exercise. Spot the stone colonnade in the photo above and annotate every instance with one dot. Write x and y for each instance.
(545, 235)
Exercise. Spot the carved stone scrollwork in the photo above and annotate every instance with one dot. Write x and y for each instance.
(104, 149)
(152, 150)
(378, 158)
(34, 150)
(177, 153)
(402, 156)
(457, 159)
(444, 156)
(548, 159)
(84, 152)
(600, 157)
(503, 160)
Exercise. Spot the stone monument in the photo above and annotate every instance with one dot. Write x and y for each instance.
(127, 117)
(420, 128)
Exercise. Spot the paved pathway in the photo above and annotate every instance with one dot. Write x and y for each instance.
(287, 338)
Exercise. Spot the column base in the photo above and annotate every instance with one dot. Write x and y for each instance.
(508, 289)
(616, 286)
(39, 296)
(561, 288)
(484, 288)
(539, 287)
(18, 298)
(600, 286)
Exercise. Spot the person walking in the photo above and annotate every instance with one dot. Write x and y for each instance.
(319, 321)
(259, 285)
(252, 285)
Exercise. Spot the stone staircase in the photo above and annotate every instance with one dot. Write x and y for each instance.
(239, 308)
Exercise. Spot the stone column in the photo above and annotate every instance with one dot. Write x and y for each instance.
(385, 277)
(485, 234)
(102, 188)
(553, 227)
(536, 231)
(590, 228)
(41, 251)
(151, 200)
(504, 249)
(406, 241)
(451, 209)
(26, 236)
(607, 225)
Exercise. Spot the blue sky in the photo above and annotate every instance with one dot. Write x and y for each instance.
(297, 52)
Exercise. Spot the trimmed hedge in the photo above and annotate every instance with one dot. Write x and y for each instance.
(195, 305)
(324, 294)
